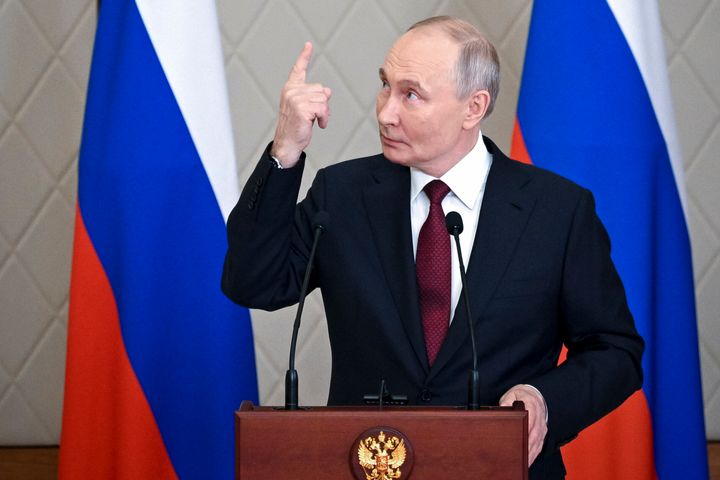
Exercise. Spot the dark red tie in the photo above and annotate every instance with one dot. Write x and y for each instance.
(433, 269)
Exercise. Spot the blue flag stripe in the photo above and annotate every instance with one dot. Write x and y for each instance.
(585, 113)
(159, 233)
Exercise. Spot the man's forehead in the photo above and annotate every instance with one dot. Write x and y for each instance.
(426, 48)
(419, 60)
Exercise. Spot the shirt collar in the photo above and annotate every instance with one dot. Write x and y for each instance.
(462, 178)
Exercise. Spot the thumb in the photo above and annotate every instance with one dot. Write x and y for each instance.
(508, 399)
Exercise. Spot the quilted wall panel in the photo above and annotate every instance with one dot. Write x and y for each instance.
(45, 49)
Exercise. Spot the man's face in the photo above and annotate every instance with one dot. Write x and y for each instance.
(420, 118)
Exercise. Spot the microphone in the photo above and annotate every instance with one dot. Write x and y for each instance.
(320, 220)
(454, 224)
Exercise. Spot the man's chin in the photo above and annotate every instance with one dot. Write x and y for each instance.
(394, 156)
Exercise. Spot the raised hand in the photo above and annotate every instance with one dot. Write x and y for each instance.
(301, 104)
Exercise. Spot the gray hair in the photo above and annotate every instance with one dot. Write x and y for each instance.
(477, 66)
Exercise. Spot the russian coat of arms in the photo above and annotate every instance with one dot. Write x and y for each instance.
(382, 456)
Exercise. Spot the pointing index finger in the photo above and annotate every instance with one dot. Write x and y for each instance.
(300, 68)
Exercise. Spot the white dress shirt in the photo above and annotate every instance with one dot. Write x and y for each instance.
(467, 181)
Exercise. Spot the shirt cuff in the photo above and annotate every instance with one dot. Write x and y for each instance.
(278, 165)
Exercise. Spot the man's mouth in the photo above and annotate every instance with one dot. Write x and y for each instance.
(389, 141)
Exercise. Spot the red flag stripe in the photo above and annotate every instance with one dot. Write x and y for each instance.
(108, 428)
(586, 457)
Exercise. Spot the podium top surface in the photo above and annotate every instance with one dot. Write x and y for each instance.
(248, 406)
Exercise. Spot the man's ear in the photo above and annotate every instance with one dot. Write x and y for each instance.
(477, 105)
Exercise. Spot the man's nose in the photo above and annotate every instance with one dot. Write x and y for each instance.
(387, 111)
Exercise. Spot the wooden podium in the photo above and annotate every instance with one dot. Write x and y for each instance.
(437, 443)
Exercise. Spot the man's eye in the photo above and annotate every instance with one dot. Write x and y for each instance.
(384, 84)
(412, 95)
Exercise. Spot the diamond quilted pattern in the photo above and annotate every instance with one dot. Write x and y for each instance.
(512, 47)
(77, 50)
(21, 425)
(251, 131)
(56, 19)
(56, 100)
(272, 333)
(708, 308)
(24, 183)
(404, 14)
(363, 142)
(237, 17)
(331, 14)
(359, 66)
(704, 179)
(679, 18)
(41, 371)
(705, 240)
(697, 114)
(270, 61)
(46, 250)
(5, 250)
(709, 305)
(705, 61)
(23, 47)
(711, 383)
(5, 381)
(697, 104)
(4, 119)
(68, 184)
(48, 46)
(25, 314)
(495, 24)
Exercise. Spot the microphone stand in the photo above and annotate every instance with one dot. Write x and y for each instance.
(454, 224)
(291, 376)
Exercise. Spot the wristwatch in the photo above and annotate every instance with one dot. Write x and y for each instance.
(276, 163)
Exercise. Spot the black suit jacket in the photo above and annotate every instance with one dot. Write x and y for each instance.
(540, 276)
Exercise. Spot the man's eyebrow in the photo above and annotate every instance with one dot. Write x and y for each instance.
(412, 84)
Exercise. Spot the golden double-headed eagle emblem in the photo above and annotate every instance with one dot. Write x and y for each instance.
(381, 457)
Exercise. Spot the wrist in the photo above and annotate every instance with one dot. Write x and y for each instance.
(286, 158)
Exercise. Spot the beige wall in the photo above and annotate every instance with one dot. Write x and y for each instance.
(44, 56)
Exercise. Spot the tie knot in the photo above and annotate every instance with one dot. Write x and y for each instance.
(436, 191)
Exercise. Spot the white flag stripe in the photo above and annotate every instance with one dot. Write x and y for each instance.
(640, 22)
(193, 65)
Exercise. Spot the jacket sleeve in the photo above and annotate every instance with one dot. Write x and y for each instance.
(604, 350)
(269, 238)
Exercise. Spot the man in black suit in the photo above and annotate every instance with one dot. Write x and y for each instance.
(540, 274)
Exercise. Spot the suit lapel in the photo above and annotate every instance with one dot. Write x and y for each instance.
(388, 206)
(505, 210)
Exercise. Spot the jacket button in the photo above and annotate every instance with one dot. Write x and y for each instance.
(425, 395)
(259, 181)
(251, 205)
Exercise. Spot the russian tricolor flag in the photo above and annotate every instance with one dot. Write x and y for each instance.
(595, 106)
(158, 359)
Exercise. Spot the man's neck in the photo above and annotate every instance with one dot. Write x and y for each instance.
(438, 169)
